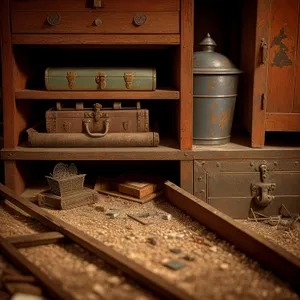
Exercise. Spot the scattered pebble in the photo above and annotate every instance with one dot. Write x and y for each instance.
(189, 257)
(213, 249)
(175, 250)
(114, 280)
(112, 213)
(100, 208)
(98, 289)
(174, 265)
(224, 266)
(167, 217)
(176, 235)
(91, 268)
(152, 241)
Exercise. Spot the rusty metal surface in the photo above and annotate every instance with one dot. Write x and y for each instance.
(234, 186)
(215, 85)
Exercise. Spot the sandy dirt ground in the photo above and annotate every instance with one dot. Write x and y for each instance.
(206, 267)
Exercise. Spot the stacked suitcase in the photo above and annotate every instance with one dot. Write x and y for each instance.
(97, 126)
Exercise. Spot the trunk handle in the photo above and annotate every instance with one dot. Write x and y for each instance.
(87, 129)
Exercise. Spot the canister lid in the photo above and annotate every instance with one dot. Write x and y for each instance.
(207, 61)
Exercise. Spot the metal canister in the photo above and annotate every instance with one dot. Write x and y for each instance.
(215, 86)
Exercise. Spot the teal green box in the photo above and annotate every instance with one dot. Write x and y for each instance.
(100, 79)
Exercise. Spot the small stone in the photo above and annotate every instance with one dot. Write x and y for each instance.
(152, 241)
(264, 293)
(114, 280)
(112, 213)
(174, 265)
(127, 287)
(198, 252)
(175, 250)
(176, 235)
(98, 289)
(100, 208)
(91, 296)
(213, 249)
(207, 242)
(278, 290)
(224, 266)
(167, 217)
(189, 257)
(91, 268)
(143, 215)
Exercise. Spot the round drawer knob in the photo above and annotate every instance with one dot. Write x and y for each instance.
(98, 22)
(139, 20)
(53, 19)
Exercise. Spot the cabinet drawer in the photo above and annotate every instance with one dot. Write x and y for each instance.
(233, 186)
(95, 22)
(106, 5)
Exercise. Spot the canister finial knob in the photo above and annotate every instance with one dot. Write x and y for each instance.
(208, 44)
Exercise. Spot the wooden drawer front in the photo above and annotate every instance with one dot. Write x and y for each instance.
(228, 185)
(84, 22)
(106, 5)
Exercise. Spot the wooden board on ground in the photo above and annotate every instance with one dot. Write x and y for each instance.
(270, 255)
(130, 198)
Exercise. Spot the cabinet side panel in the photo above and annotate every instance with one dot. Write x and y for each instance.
(8, 82)
(247, 61)
(186, 74)
(263, 24)
(282, 55)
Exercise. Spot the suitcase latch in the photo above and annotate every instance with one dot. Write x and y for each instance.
(101, 80)
(128, 77)
(261, 190)
(71, 76)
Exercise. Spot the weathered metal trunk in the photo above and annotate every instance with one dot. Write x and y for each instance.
(215, 90)
(101, 79)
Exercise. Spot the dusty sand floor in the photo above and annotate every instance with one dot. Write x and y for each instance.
(213, 268)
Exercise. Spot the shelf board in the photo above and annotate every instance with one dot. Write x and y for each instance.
(159, 94)
(96, 39)
(166, 151)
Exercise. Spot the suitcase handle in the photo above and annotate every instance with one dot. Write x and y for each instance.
(87, 129)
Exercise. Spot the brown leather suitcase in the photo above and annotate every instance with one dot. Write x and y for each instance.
(97, 122)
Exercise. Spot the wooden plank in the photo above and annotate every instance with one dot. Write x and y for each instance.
(283, 122)
(282, 54)
(187, 176)
(137, 272)
(272, 256)
(13, 177)
(52, 288)
(159, 94)
(229, 151)
(263, 23)
(186, 74)
(8, 79)
(83, 22)
(108, 5)
(37, 239)
(95, 39)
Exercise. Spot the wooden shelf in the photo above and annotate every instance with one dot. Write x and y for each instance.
(96, 39)
(160, 94)
(166, 151)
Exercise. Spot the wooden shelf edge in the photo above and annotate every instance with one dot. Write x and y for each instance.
(96, 39)
(159, 94)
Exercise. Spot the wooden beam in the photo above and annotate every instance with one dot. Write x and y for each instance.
(272, 256)
(186, 74)
(134, 270)
(37, 239)
(283, 122)
(187, 176)
(52, 288)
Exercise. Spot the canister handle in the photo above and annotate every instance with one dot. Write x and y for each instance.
(87, 129)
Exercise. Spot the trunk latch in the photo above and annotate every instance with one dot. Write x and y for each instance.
(261, 190)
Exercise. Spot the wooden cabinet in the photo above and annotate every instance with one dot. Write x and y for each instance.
(36, 34)
(270, 58)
